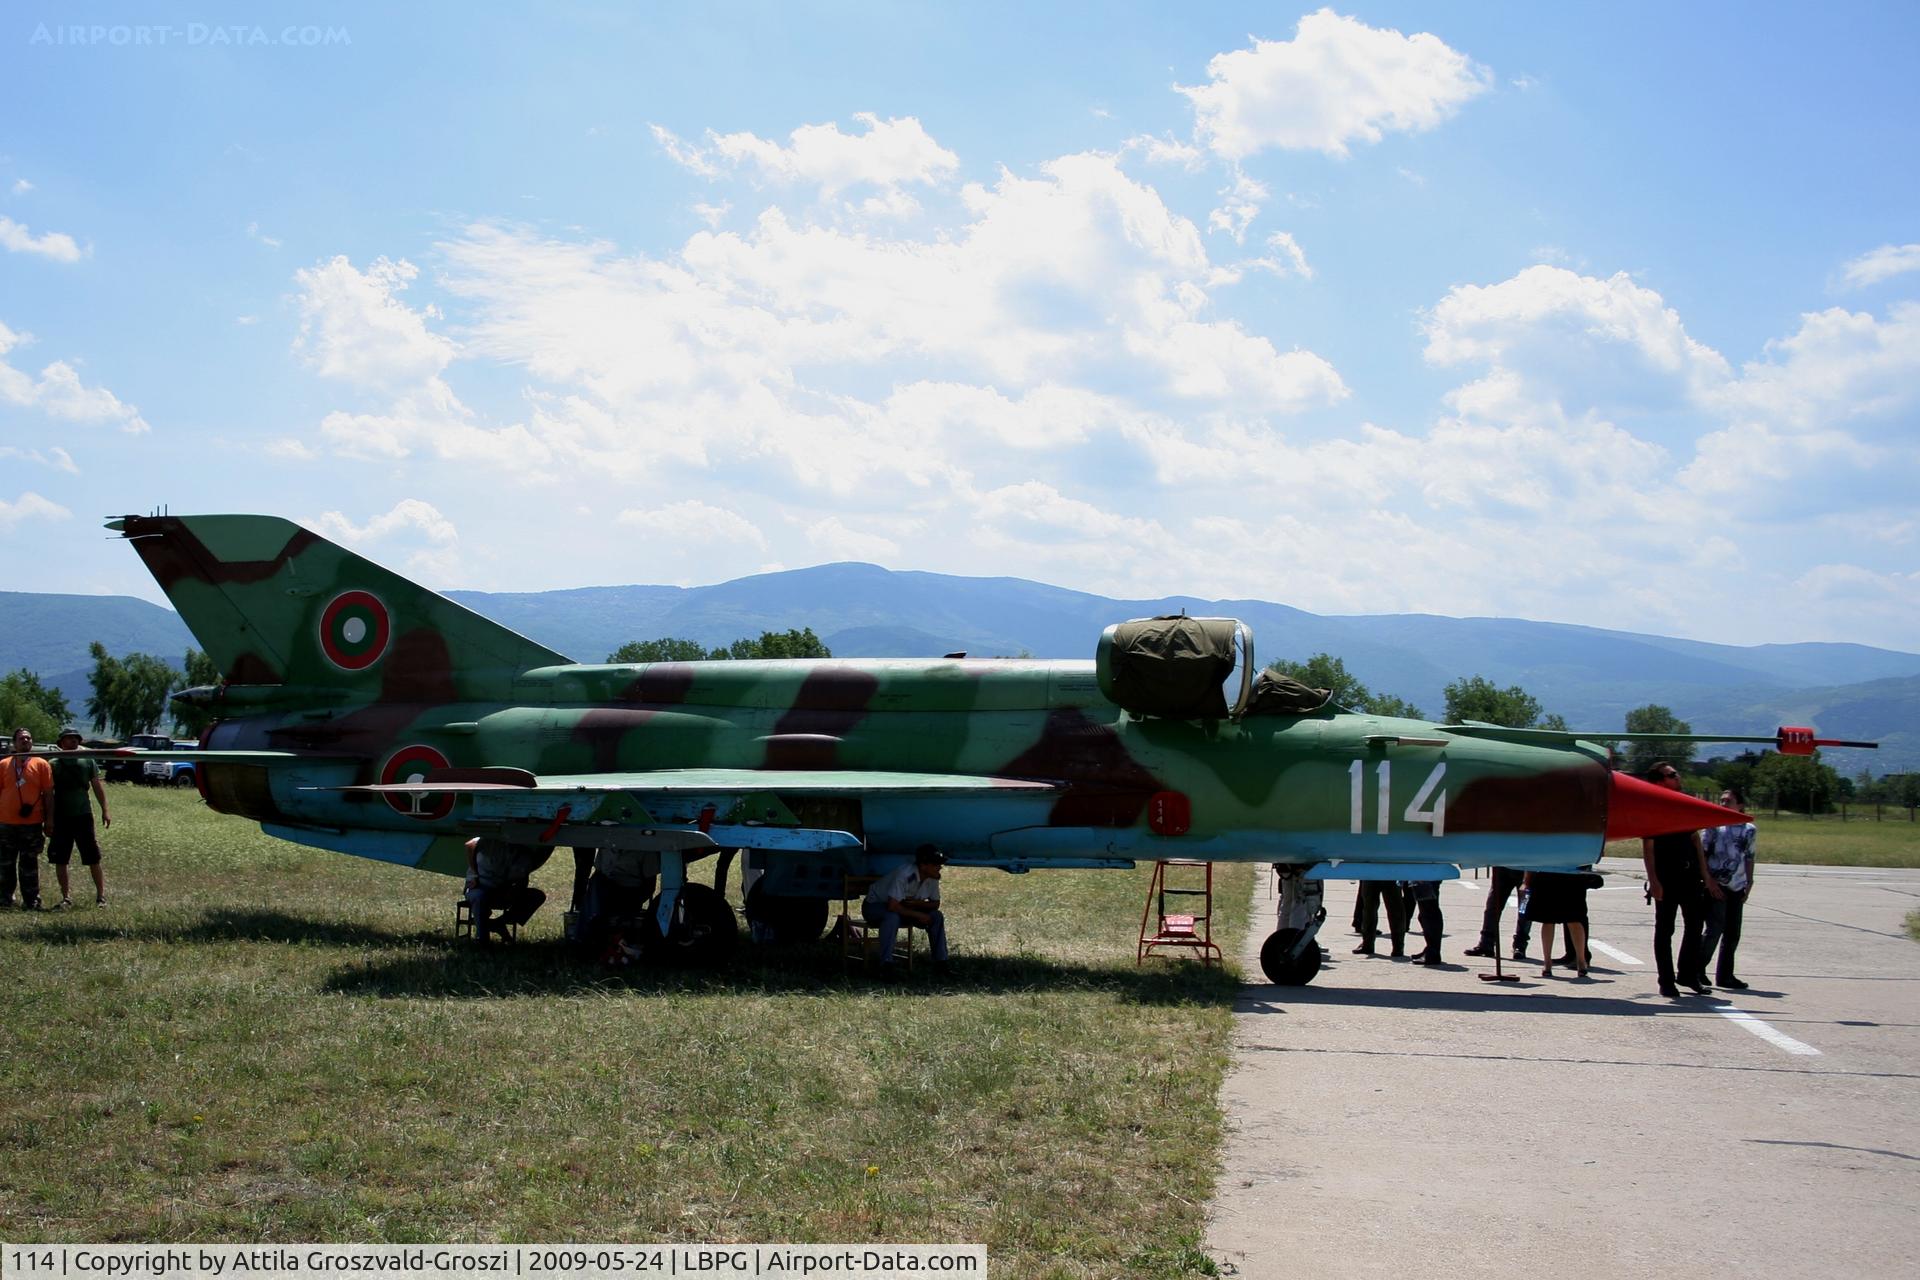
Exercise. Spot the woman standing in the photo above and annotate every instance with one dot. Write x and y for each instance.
(1729, 851)
(1559, 897)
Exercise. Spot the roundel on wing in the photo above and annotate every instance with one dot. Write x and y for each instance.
(354, 630)
(412, 764)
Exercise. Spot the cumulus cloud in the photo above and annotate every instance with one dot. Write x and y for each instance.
(738, 345)
(59, 392)
(407, 515)
(1042, 376)
(1550, 333)
(832, 538)
(890, 154)
(57, 245)
(1884, 263)
(29, 507)
(354, 326)
(1839, 366)
(1337, 82)
(429, 540)
(693, 521)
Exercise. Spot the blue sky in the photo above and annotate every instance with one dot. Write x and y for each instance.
(1605, 314)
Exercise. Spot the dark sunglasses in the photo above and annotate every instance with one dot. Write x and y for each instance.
(1670, 773)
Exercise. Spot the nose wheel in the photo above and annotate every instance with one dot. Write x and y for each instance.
(1287, 961)
(1291, 956)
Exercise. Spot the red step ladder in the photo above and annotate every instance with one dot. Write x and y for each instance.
(1183, 930)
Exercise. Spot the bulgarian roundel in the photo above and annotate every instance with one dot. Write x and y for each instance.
(412, 764)
(354, 630)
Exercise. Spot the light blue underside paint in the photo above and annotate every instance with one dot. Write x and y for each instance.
(381, 846)
(1383, 871)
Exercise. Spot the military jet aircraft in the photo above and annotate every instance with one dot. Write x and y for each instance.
(362, 713)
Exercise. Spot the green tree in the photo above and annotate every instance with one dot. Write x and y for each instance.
(771, 644)
(1477, 698)
(1385, 704)
(27, 704)
(1799, 783)
(1737, 773)
(780, 644)
(24, 684)
(665, 649)
(191, 722)
(1324, 671)
(128, 693)
(1654, 718)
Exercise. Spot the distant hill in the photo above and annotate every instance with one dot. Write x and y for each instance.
(49, 635)
(1587, 674)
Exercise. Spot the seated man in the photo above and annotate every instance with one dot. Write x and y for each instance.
(911, 893)
(621, 886)
(497, 875)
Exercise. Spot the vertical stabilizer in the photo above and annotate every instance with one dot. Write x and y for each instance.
(275, 604)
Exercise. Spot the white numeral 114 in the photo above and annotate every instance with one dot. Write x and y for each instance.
(1418, 809)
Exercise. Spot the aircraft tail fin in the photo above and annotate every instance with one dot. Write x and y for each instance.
(275, 604)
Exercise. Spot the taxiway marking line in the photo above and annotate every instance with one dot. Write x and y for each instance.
(1613, 953)
(1772, 1035)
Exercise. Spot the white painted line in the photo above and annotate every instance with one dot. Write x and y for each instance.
(1612, 953)
(1779, 1039)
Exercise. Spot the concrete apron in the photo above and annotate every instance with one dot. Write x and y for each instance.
(1391, 1116)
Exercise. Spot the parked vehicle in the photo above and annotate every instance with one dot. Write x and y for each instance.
(170, 773)
(134, 770)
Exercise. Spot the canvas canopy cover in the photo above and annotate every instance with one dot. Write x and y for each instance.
(1170, 666)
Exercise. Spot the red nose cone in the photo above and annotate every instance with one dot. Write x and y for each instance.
(1637, 809)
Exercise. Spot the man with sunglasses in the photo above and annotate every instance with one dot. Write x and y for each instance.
(1677, 882)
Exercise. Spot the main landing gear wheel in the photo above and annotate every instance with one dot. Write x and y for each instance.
(1283, 968)
(704, 931)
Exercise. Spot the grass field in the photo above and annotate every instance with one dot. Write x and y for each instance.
(1824, 841)
(257, 1041)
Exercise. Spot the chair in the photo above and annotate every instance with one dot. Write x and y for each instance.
(464, 921)
(857, 937)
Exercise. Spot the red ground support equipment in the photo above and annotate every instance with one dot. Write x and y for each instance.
(1191, 931)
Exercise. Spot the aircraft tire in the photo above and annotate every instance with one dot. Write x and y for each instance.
(793, 922)
(1283, 970)
(706, 933)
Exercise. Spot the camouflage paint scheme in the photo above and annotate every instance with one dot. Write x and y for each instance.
(345, 686)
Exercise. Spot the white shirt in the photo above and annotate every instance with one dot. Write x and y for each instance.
(901, 883)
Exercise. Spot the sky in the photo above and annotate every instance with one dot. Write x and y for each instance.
(1594, 313)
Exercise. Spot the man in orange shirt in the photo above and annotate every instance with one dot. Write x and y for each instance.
(26, 814)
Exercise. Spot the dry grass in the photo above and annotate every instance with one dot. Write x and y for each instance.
(263, 1042)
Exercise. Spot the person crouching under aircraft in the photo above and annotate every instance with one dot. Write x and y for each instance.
(910, 893)
(497, 875)
(615, 901)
